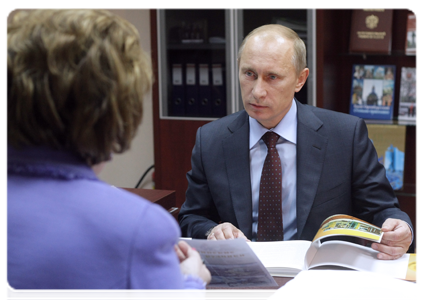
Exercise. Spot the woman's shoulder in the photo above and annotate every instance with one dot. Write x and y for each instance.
(142, 213)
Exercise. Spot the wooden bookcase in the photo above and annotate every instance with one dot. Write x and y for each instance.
(174, 139)
(333, 79)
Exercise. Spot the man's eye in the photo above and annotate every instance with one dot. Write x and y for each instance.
(272, 77)
(249, 73)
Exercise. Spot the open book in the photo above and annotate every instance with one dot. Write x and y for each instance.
(288, 258)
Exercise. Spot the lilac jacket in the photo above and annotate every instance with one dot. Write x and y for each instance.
(69, 230)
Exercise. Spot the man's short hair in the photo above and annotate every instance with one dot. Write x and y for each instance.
(76, 81)
(299, 58)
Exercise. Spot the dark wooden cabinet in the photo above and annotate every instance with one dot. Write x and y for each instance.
(173, 139)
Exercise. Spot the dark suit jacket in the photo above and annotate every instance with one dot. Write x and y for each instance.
(337, 173)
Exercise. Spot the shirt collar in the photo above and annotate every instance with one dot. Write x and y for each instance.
(287, 127)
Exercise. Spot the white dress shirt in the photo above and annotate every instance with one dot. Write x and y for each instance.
(287, 149)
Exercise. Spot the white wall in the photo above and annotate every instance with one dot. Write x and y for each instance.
(126, 169)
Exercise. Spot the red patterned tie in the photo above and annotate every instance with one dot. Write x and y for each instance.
(270, 226)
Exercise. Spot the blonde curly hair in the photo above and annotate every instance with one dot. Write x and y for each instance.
(76, 81)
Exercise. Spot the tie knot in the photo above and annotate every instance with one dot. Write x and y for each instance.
(270, 138)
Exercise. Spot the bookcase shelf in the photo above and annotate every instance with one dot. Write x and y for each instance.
(333, 81)
(395, 121)
(393, 53)
(408, 189)
(202, 46)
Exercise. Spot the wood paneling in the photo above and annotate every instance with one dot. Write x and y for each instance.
(177, 138)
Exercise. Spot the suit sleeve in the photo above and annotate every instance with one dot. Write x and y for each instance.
(153, 263)
(198, 213)
(374, 199)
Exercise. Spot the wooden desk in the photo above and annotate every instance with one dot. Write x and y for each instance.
(165, 198)
(245, 293)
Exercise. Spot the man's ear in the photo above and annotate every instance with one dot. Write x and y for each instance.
(301, 80)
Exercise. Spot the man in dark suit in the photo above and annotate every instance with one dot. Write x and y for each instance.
(329, 166)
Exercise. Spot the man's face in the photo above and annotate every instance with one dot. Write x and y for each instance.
(268, 78)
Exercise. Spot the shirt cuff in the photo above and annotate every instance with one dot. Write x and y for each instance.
(412, 233)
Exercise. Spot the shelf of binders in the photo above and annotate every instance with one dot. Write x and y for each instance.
(197, 50)
(194, 52)
(198, 89)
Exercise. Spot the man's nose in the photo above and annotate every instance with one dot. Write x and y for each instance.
(259, 89)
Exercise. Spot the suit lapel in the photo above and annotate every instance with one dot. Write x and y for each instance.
(237, 159)
(311, 148)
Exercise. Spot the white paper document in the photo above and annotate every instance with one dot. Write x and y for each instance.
(232, 264)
